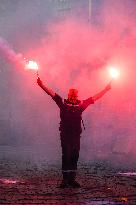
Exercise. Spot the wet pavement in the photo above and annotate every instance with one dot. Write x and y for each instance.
(31, 185)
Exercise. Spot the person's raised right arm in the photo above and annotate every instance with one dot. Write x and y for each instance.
(45, 88)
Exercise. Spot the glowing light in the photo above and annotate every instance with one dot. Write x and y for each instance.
(114, 73)
(32, 65)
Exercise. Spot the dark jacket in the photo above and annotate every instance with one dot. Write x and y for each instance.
(71, 114)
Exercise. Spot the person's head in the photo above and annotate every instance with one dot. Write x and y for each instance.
(73, 95)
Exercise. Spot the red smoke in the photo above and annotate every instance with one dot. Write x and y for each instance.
(74, 53)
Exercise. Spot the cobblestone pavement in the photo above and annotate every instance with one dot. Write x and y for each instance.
(40, 186)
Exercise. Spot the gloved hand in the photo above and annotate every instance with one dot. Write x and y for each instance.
(108, 87)
(39, 81)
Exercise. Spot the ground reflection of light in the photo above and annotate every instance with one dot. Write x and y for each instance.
(101, 202)
(9, 181)
(127, 173)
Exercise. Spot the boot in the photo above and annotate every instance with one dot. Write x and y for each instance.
(72, 182)
(63, 184)
(65, 181)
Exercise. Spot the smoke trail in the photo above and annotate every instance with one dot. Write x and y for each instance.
(10, 54)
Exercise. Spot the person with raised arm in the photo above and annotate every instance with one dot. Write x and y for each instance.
(70, 128)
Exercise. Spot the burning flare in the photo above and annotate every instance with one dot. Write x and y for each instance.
(114, 73)
(32, 65)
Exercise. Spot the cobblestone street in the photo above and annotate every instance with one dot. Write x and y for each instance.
(40, 186)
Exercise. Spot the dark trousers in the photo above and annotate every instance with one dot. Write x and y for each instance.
(70, 144)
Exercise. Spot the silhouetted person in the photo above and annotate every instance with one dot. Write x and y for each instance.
(70, 129)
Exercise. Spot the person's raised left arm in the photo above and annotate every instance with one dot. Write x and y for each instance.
(101, 93)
